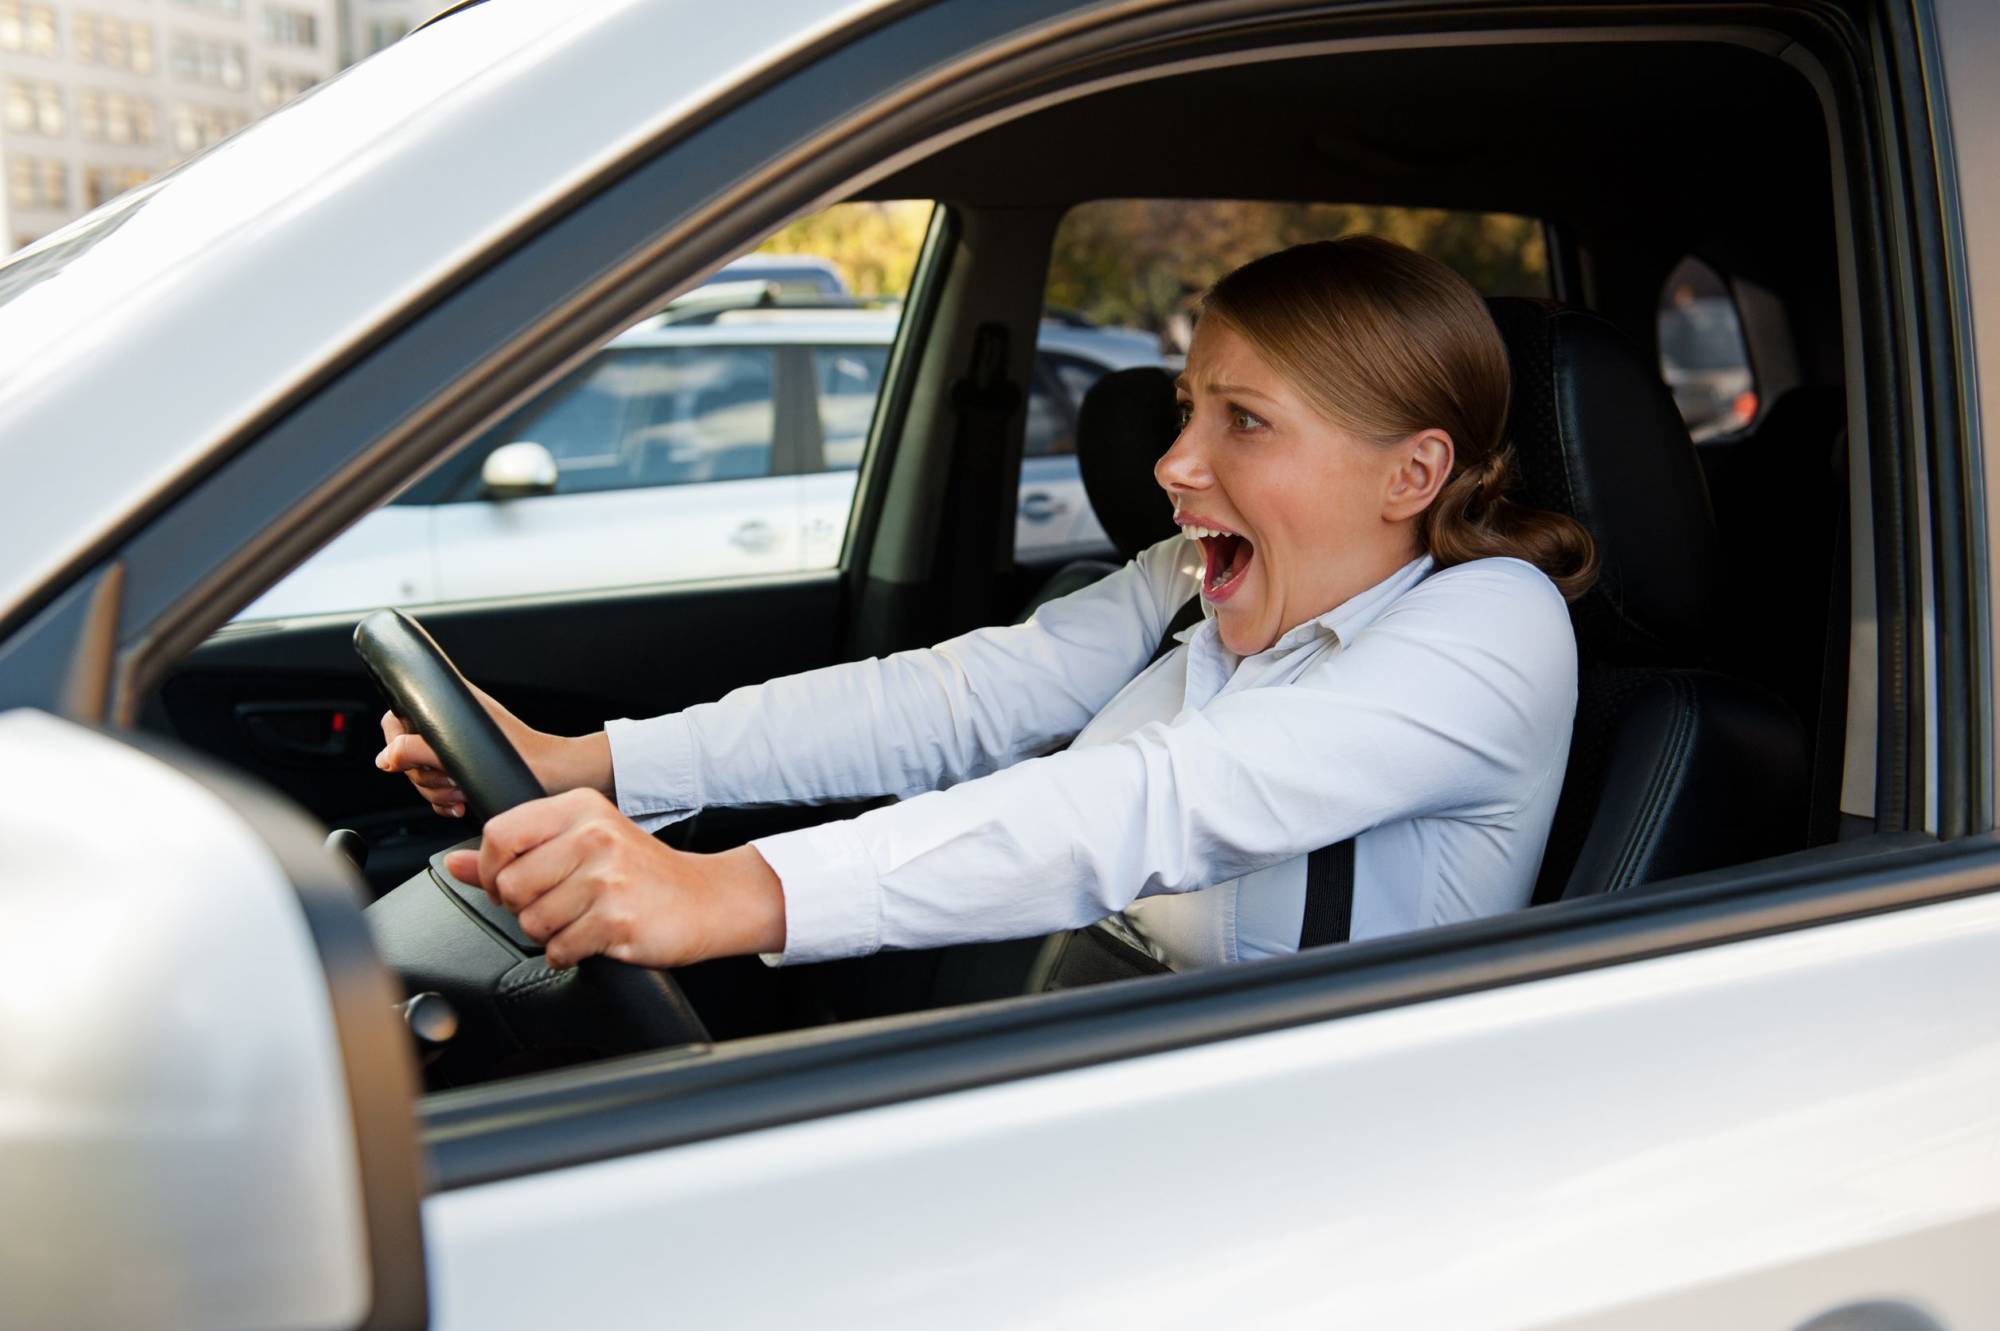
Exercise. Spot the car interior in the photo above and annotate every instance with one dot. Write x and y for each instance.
(1729, 710)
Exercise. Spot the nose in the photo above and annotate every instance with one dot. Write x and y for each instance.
(1183, 468)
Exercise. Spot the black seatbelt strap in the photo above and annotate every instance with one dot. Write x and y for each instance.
(1329, 895)
(1329, 913)
(985, 401)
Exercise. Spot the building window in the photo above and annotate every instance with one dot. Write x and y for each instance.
(116, 117)
(227, 8)
(198, 127)
(34, 107)
(28, 27)
(206, 60)
(38, 182)
(113, 42)
(275, 87)
(290, 27)
(103, 183)
(385, 31)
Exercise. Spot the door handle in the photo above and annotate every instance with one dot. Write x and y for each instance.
(755, 536)
(304, 729)
(1040, 506)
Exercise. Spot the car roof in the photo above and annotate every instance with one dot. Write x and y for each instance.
(409, 166)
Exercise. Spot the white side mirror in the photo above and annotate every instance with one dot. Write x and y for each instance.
(517, 470)
(206, 1096)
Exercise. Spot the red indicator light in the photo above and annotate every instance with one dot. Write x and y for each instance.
(339, 722)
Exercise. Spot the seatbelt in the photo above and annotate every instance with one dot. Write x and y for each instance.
(1329, 913)
(985, 401)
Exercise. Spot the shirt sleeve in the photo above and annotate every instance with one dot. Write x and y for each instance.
(1456, 702)
(911, 722)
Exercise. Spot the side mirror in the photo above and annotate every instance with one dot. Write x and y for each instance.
(209, 1112)
(518, 470)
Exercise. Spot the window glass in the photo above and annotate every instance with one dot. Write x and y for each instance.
(645, 416)
(1124, 276)
(847, 379)
(1703, 357)
(718, 438)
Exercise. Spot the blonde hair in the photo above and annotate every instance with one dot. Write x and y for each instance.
(1386, 342)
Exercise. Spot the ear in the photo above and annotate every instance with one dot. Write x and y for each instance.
(1424, 465)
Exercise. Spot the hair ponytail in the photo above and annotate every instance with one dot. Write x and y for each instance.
(1472, 518)
(1387, 342)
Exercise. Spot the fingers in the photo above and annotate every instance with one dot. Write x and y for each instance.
(605, 929)
(405, 751)
(556, 909)
(523, 882)
(526, 826)
(464, 866)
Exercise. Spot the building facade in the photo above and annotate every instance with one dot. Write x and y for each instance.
(97, 96)
(373, 24)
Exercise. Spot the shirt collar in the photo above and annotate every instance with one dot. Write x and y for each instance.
(1345, 620)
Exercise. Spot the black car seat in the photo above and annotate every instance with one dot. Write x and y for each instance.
(1126, 421)
(1674, 767)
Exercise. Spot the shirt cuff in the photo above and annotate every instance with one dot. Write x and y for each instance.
(833, 901)
(654, 775)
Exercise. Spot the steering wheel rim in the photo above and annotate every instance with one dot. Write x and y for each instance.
(429, 693)
(630, 1008)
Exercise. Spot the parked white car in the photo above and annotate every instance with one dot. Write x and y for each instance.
(689, 450)
(1758, 1096)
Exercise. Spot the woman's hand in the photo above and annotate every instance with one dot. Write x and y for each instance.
(558, 762)
(585, 881)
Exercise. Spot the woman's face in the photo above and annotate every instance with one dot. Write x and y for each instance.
(1293, 514)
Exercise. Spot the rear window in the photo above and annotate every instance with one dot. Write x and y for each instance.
(1142, 263)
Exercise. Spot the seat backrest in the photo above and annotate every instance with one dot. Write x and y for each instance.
(1673, 767)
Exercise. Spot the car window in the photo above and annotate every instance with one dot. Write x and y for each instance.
(1703, 356)
(719, 437)
(653, 416)
(1054, 394)
(846, 381)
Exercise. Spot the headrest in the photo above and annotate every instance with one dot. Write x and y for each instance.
(1126, 421)
(1597, 436)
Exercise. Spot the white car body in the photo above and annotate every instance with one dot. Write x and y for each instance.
(1793, 1117)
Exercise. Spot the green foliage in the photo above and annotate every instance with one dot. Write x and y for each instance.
(1140, 261)
(874, 245)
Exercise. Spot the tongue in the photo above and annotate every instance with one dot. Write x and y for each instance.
(1226, 557)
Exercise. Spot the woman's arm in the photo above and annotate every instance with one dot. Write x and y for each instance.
(911, 722)
(1457, 703)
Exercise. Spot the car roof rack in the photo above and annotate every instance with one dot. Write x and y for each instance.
(705, 304)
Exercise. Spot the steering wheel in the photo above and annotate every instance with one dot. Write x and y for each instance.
(515, 1008)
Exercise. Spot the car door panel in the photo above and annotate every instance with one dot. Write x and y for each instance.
(1543, 1155)
(387, 558)
(585, 542)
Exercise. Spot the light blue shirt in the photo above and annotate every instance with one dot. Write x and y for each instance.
(1429, 717)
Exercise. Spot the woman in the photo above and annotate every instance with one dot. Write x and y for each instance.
(1384, 654)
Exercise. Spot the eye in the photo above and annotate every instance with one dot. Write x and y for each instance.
(1244, 420)
(1183, 413)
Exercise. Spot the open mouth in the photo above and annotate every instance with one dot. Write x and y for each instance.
(1227, 558)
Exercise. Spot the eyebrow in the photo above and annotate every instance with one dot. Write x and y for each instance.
(1228, 390)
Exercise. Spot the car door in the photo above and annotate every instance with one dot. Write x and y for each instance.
(846, 379)
(663, 453)
(1053, 518)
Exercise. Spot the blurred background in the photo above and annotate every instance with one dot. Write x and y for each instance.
(103, 96)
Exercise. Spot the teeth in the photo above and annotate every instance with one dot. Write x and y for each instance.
(1194, 533)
